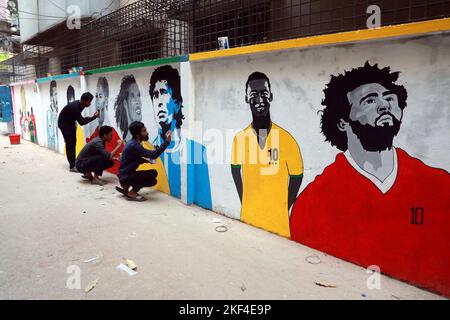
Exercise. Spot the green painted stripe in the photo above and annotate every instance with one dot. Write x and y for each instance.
(296, 176)
(142, 64)
(236, 166)
(58, 77)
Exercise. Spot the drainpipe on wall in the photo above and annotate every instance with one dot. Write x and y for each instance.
(54, 65)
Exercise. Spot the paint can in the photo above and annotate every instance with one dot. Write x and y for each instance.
(14, 138)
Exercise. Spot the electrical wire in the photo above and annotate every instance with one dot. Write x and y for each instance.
(57, 6)
(40, 15)
(60, 17)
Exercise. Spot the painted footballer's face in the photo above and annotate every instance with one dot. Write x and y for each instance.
(164, 106)
(375, 116)
(259, 97)
(101, 103)
(375, 105)
(134, 103)
(54, 100)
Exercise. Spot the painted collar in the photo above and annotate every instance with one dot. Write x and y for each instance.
(383, 186)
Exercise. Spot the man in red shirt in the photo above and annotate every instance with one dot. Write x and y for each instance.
(376, 205)
(110, 146)
(101, 105)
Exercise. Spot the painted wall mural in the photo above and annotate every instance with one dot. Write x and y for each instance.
(32, 126)
(374, 177)
(52, 117)
(70, 94)
(128, 105)
(23, 111)
(167, 103)
(375, 202)
(267, 166)
(160, 107)
(26, 123)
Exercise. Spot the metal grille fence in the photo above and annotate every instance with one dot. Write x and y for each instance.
(150, 29)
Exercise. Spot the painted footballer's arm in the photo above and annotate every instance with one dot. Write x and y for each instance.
(236, 172)
(294, 186)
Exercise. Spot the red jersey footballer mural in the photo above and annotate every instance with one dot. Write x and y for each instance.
(376, 204)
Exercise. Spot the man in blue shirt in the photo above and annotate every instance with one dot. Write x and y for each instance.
(133, 155)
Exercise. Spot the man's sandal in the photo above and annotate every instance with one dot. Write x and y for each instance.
(122, 191)
(138, 198)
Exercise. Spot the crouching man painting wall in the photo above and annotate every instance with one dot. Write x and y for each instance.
(376, 204)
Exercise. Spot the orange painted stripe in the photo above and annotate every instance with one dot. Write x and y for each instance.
(414, 28)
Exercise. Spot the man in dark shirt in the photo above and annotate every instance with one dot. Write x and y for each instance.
(94, 157)
(66, 123)
(133, 155)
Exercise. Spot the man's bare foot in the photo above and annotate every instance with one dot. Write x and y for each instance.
(99, 178)
(87, 175)
(132, 193)
(97, 181)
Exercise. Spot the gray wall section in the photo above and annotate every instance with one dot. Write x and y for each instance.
(40, 15)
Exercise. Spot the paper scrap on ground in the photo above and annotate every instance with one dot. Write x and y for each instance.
(126, 269)
(131, 264)
(92, 259)
(91, 286)
(325, 285)
(217, 220)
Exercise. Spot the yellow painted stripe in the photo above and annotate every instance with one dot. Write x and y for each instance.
(414, 28)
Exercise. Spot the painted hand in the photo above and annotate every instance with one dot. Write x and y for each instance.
(168, 136)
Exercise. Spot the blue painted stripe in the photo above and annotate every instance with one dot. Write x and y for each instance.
(184, 58)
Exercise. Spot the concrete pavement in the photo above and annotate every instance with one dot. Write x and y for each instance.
(51, 219)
